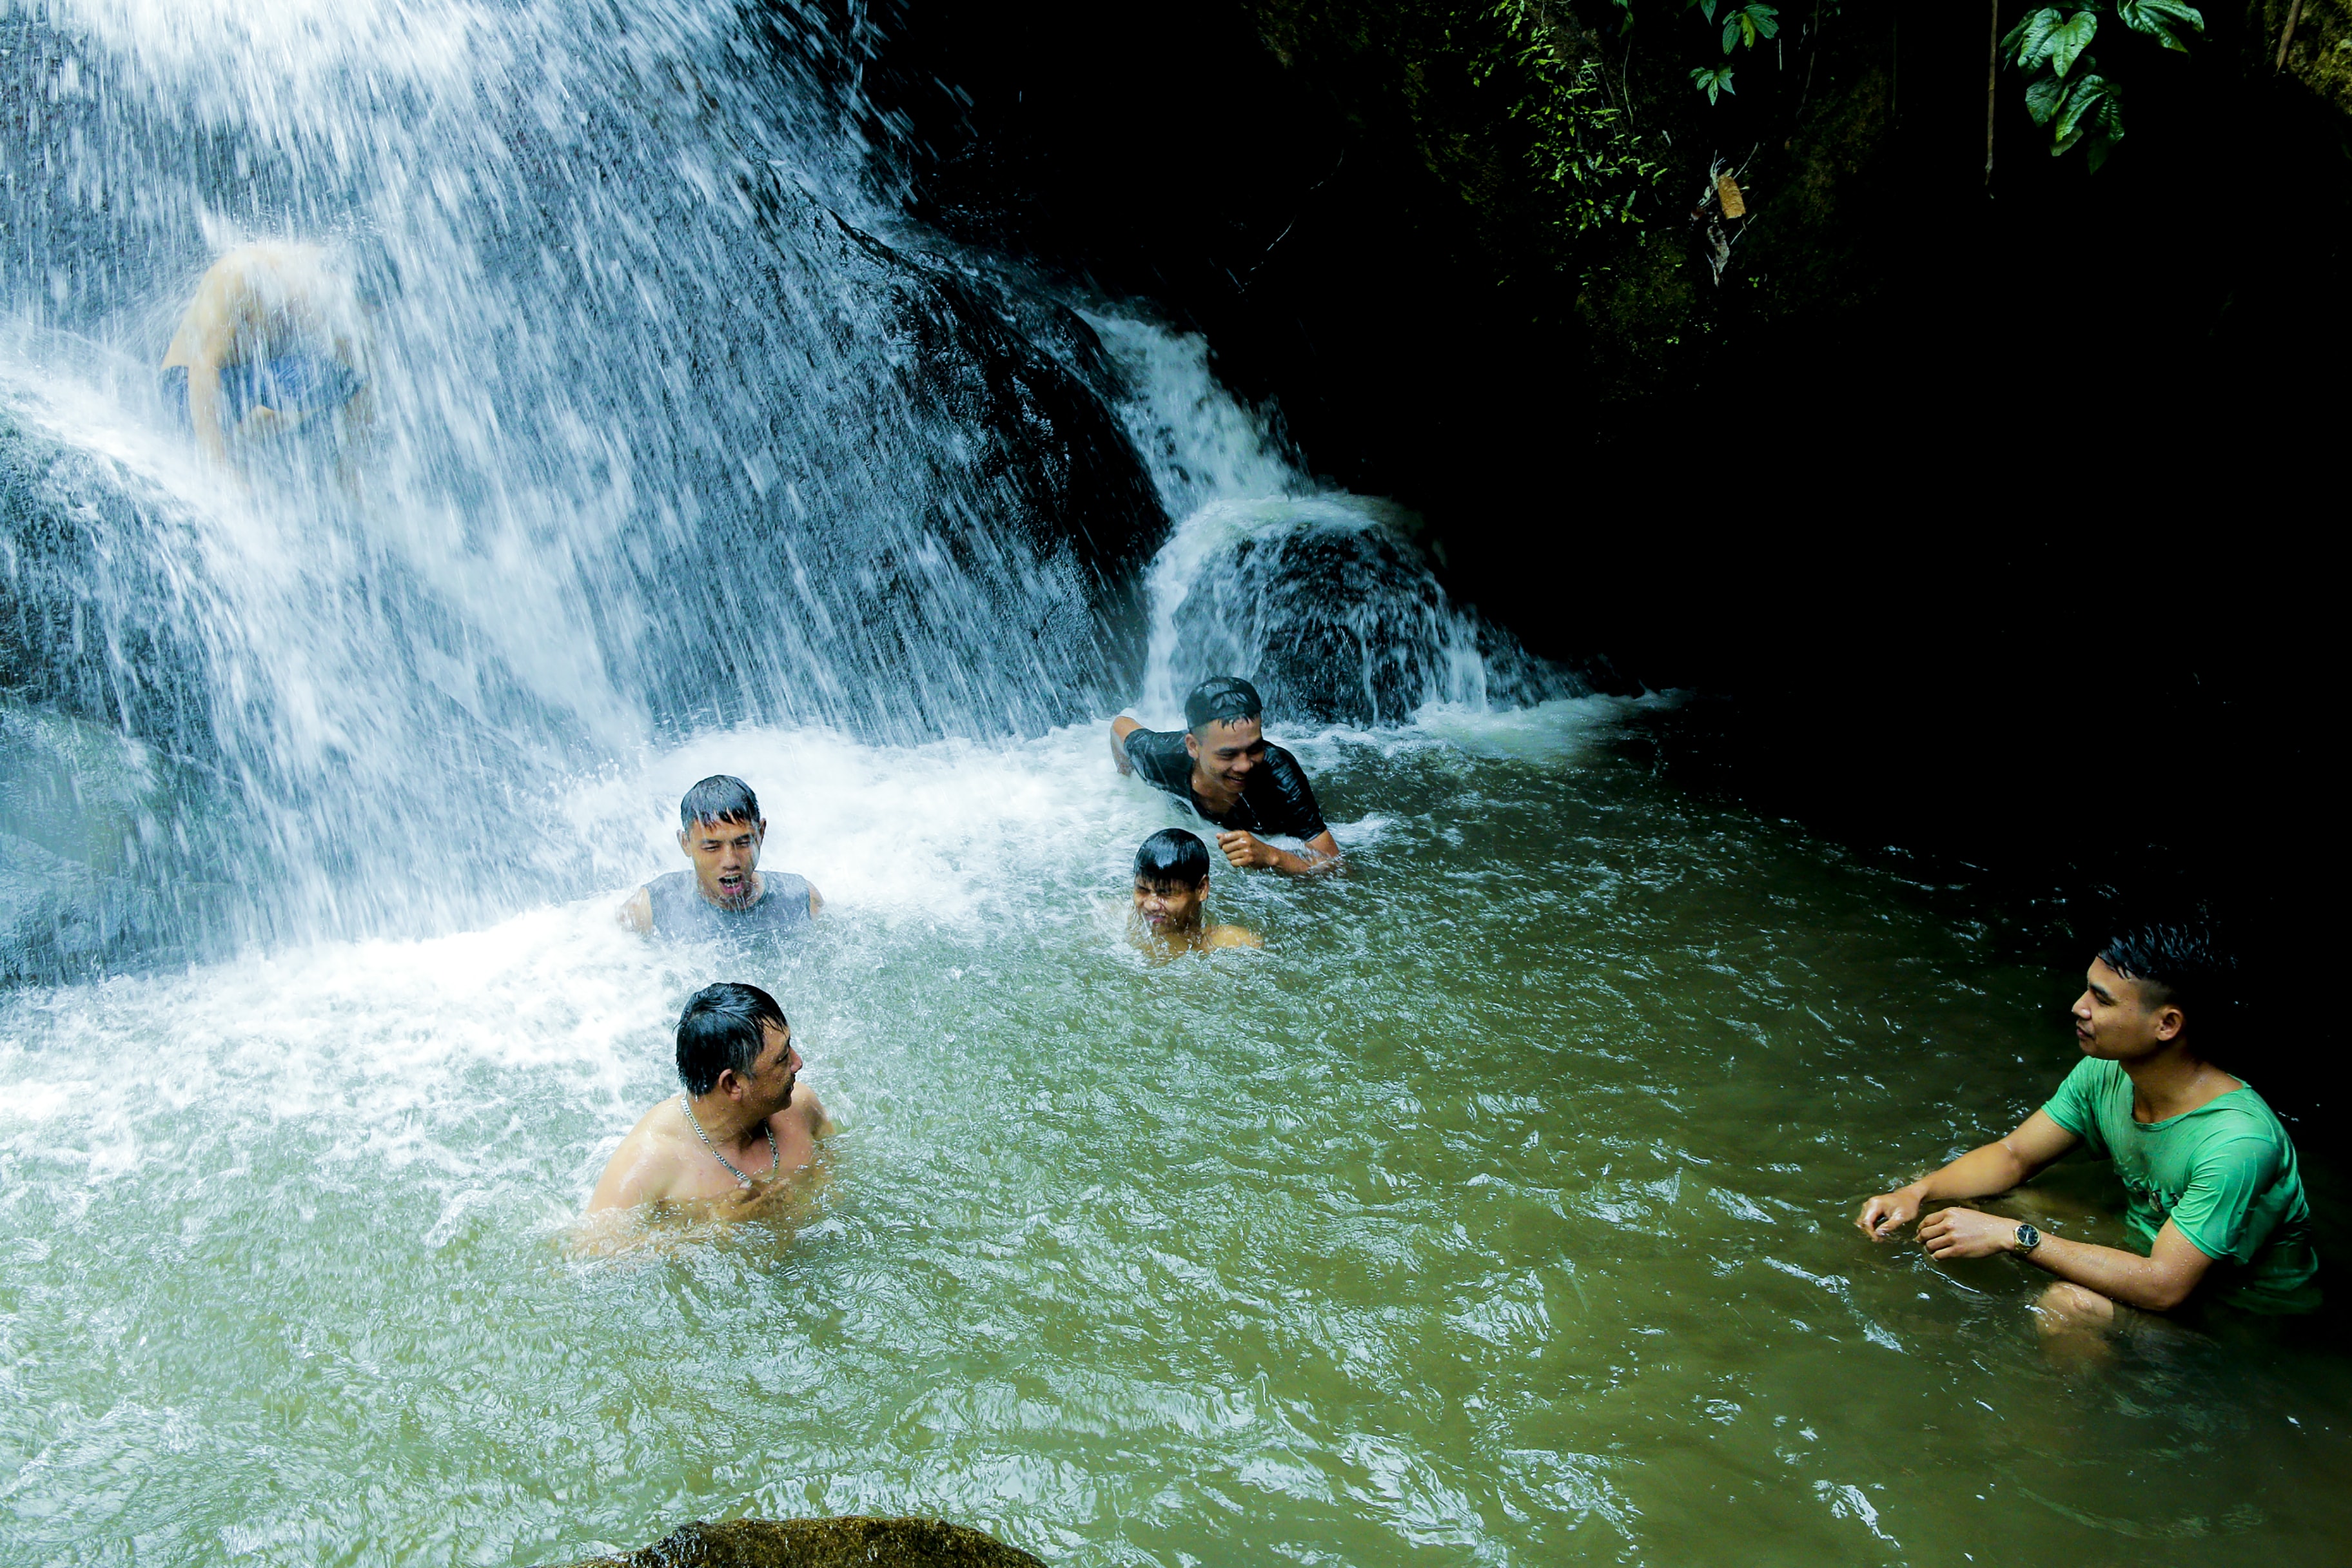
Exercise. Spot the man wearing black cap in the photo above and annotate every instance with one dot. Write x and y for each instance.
(1221, 763)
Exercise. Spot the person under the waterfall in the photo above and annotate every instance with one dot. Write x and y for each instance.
(2216, 1209)
(742, 1121)
(720, 831)
(274, 341)
(1171, 888)
(1223, 765)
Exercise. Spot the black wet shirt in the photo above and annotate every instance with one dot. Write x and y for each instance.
(1275, 798)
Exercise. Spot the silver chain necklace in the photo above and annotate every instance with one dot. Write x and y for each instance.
(775, 1157)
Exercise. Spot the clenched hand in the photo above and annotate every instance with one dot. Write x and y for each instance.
(1246, 850)
(1965, 1233)
(1887, 1213)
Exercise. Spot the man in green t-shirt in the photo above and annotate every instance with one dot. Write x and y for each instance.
(2215, 1200)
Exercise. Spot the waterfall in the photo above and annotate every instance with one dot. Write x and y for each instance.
(669, 436)
(678, 426)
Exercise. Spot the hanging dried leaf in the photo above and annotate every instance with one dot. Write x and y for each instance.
(1726, 191)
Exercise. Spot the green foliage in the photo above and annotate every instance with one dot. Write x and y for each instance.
(1749, 22)
(1582, 146)
(2158, 18)
(2050, 38)
(2081, 108)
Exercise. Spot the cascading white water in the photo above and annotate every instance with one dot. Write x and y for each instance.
(1320, 594)
(666, 440)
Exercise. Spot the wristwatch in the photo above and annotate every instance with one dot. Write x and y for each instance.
(2028, 1238)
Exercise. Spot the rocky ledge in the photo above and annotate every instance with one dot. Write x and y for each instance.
(855, 1541)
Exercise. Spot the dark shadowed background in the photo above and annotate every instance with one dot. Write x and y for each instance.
(1985, 521)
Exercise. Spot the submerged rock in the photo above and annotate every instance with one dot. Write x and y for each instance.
(855, 1541)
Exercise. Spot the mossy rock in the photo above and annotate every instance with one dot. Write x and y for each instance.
(854, 1542)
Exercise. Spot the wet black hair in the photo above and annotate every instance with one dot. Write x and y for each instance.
(1226, 698)
(721, 1028)
(721, 797)
(1173, 856)
(2185, 966)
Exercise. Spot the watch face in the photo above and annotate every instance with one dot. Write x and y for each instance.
(2028, 1238)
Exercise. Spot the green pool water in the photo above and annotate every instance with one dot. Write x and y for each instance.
(1496, 1212)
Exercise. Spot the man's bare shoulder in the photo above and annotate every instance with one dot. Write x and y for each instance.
(645, 1167)
(806, 1112)
(1231, 936)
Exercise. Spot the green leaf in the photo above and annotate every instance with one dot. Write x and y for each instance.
(1712, 79)
(2160, 18)
(2042, 97)
(1707, 9)
(2070, 38)
(2091, 106)
(1763, 16)
(1731, 32)
(2025, 44)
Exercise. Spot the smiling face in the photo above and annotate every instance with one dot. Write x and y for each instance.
(1227, 752)
(2120, 1019)
(725, 854)
(1166, 909)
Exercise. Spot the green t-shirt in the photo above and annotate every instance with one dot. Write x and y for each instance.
(2224, 1172)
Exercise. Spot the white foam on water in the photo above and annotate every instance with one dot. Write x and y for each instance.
(953, 831)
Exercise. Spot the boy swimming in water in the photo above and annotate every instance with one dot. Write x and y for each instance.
(726, 894)
(1171, 884)
(2216, 1206)
(1223, 765)
(272, 341)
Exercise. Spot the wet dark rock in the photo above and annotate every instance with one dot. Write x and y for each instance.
(1014, 391)
(92, 623)
(61, 920)
(1338, 619)
(855, 1541)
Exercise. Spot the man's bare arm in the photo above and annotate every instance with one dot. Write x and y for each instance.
(816, 900)
(637, 914)
(2159, 1282)
(1121, 729)
(1978, 1173)
(1247, 851)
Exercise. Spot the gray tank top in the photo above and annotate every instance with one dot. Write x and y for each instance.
(680, 909)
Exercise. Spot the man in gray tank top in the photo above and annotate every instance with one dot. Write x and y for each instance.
(726, 894)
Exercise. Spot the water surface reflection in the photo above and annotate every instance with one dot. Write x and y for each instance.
(1498, 1211)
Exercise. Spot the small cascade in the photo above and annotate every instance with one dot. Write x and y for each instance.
(1320, 597)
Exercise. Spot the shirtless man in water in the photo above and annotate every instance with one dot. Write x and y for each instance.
(744, 1122)
(1171, 885)
(273, 340)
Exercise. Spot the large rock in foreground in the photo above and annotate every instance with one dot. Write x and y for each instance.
(855, 1541)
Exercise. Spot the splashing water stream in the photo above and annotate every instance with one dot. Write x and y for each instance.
(1494, 1212)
